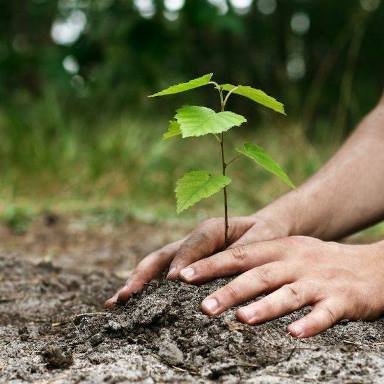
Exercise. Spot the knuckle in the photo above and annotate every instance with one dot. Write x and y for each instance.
(296, 240)
(152, 260)
(172, 247)
(209, 223)
(315, 286)
(330, 314)
(138, 272)
(204, 266)
(231, 291)
(202, 235)
(238, 244)
(239, 254)
(135, 278)
(365, 306)
(331, 274)
(199, 237)
(162, 254)
(267, 305)
(310, 256)
(339, 276)
(304, 247)
(334, 244)
(283, 241)
(345, 292)
(264, 275)
(294, 293)
(191, 243)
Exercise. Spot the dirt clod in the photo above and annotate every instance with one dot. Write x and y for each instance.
(96, 339)
(170, 353)
(56, 358)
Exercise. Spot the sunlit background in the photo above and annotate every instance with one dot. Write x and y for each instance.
(77, 130)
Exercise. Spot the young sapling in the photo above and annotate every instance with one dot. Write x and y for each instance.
(194, 121)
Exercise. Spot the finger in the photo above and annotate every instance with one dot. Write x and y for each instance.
(285, 300)
(111, 302)
(249, 285)
(150, 267)
(205, 240)
(233, 261)
(324, 314)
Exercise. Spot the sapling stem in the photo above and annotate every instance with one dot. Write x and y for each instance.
(224, 167)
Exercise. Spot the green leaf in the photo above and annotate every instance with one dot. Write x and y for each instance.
(262, 158)
(256, 95)
(183, 87)
(197, 185)
(173, 130)
(199, 121)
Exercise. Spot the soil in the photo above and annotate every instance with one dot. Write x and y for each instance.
(53, 328)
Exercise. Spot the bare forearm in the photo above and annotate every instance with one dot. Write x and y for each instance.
(346, 194)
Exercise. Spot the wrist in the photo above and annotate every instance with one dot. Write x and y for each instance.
(279, 215)
(297, 213)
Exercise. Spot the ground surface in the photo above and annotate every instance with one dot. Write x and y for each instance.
(53, 328)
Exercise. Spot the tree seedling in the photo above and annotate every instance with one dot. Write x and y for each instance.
(194, 121)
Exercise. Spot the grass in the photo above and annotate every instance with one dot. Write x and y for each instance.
(126, 163)
(121, 168)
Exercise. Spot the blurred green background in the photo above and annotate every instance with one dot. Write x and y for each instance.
(77, 131)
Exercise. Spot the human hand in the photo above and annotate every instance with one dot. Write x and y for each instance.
(206, 239)
(339, 281)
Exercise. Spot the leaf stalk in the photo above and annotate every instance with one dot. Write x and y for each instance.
(233, 160)
(229, 94)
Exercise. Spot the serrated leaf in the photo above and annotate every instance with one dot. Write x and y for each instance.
(183, 87)
(262, 158)
(199, 121)
(197, 185)
(173, 130)
(257, 95)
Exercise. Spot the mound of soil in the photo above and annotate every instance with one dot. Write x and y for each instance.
(53, 329)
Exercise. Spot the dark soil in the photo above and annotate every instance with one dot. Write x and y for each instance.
(53, 329)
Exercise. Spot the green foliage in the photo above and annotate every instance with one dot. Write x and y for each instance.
(184, 87)
(197, 185)
(198, 121)
(256, 95)
(17, 219)
(195, 121)
(173, 130)
(265, 161)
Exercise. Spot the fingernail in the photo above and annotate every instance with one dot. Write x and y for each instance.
(210, 305)
(296, 330)
(187, 273)
(111, 301)
(171, 273)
